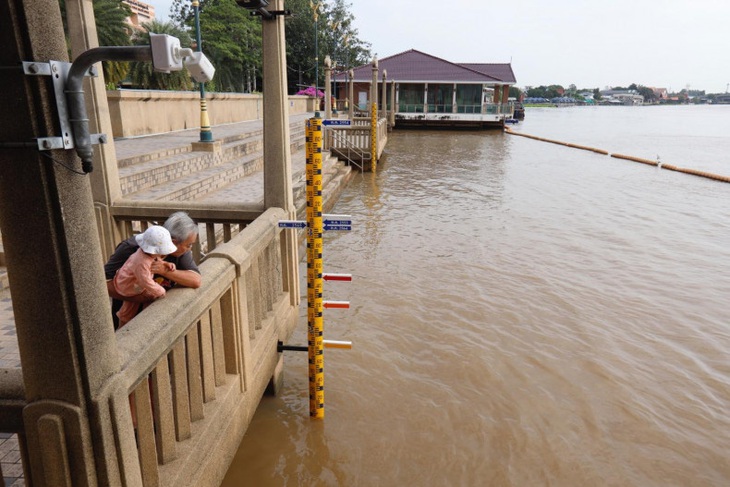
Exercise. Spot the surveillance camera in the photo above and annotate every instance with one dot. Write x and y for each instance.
(199, 67)
(252, 4)
(165, 56)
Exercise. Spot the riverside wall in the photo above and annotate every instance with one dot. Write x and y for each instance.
(145, 112)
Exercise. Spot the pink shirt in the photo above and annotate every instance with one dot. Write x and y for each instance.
(135, 276)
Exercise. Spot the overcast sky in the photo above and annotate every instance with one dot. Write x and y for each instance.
(661, 43)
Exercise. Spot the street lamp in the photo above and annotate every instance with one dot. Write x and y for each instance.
(333, 27)
(206, 135)
(315, 11)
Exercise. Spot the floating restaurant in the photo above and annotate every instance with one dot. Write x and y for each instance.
(432, 92)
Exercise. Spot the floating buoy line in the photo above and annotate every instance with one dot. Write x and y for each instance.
(657, 163)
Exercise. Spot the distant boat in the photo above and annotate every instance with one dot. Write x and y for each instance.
(519, 111)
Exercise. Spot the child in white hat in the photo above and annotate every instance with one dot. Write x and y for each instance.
(135, 277)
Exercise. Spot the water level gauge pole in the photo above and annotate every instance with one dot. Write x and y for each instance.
(315, 282)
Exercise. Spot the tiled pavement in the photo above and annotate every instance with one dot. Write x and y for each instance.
(10, 460)
(129, 148)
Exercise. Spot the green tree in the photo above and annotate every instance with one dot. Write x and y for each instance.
(647, 93)
(232, 41)
(515, 93)
(340, 37)
(548, 92)
(336, 36)
(143, 75)
(224, 24)
(112, 29)
(181, 11)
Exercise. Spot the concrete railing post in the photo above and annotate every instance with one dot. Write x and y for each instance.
(77, 426)
(105, 186)
(351, 95)
(393, 103)
(278, 191)
(384, 95)
(327, 87)
(374, 85)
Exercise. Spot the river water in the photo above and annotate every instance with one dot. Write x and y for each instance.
(522, 314)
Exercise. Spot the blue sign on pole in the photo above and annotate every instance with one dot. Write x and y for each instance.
(339, 123)
(292, 224)
(332, 219)
(338, 227)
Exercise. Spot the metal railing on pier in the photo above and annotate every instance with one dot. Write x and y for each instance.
(354, 143)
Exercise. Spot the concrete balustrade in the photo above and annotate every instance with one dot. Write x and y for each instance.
(145, 112)
(220, 344)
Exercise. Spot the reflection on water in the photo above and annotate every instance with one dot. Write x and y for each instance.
(522, 314)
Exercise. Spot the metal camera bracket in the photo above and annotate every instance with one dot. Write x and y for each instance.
(58, 71)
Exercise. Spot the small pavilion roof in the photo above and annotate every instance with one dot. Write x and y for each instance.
(414, 66)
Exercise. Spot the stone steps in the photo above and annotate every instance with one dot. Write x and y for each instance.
(180, 174)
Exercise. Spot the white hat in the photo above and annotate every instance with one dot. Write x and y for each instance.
(156, 240)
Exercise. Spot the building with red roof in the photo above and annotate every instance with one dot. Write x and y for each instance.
(430, 91)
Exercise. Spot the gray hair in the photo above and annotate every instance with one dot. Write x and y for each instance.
(181, 226)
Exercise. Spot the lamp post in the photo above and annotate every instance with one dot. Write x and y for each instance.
(206, 135)
(333, 27)
(315, 11)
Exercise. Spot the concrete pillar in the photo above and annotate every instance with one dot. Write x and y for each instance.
(65, 334)
(351, 95)
(374, 85)
(327, 87)
(393, 103)
(384, 95)
(105, 185)
(505, 97)
(277, 151)
(425, 98)
(454, 108)
(497, 90)
(483, 99)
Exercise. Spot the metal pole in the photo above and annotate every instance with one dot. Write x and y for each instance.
(315, 281)
(316, 55)
(206, 135)
(315, 12)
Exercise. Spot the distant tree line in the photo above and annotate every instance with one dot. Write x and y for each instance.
(554, 91)
(231, 39)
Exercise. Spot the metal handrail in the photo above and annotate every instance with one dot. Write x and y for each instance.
(350, 148)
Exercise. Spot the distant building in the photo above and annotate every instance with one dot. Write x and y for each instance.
(431, 91)
(660, 93)
(141, 13)
(587, 96)
(621, 97)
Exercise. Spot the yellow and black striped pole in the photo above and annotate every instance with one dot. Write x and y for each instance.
(374, 137)
(315, 282)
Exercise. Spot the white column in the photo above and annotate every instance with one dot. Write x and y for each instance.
(327, 87)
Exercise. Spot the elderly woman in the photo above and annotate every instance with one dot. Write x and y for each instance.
(184, 233)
